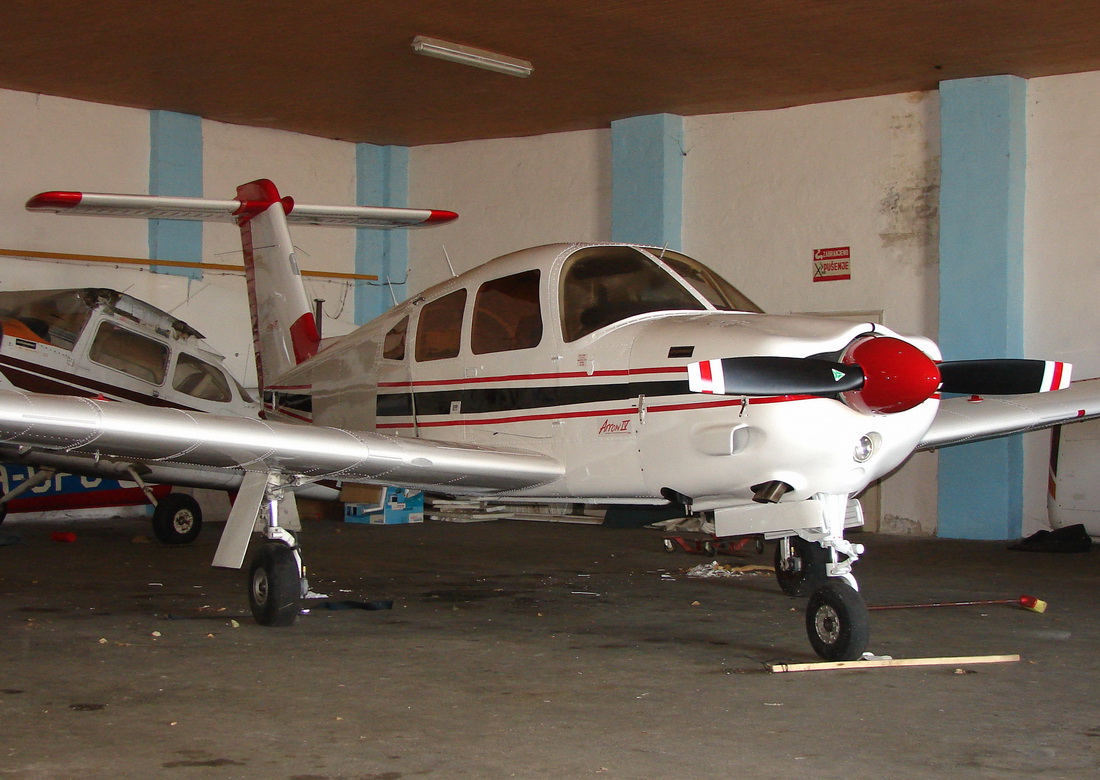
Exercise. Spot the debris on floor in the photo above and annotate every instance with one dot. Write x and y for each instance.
(716, 569)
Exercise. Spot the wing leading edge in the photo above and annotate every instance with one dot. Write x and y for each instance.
(106, 429)
(962, 420)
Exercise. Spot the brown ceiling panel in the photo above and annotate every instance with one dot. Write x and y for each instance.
(347, 70)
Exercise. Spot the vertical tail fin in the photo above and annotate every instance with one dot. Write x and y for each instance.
(283, 327)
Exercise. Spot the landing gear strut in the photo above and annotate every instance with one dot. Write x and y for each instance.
(818, 563)
(276, 578)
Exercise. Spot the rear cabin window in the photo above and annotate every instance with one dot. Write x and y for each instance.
(393, 345)
(200, 379)
(507, 315)
(602, 285)
(439, 332)
(123, 350)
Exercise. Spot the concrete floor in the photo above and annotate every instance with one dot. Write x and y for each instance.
(534, 651)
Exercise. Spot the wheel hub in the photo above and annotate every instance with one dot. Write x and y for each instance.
(260, 587)
(827, 624)
(183, 521)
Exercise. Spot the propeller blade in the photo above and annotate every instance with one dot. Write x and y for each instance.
(773, 376)
(1006, 376)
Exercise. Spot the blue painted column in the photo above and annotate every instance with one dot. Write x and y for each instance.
(381, 179)
(175, 168)
(647, 180)
(983, 134)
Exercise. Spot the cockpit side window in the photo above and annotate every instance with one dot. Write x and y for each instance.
(602, 285)
(123, 350)
(393, 346)
(719, 293)
(507, 314)
(439, 332)
(201, 380)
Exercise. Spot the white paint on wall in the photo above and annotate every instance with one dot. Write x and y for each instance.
(52, 143)
(510, 194)
(762, 190)
(1061, 248)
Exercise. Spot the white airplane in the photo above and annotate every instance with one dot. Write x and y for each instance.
(596, 373)
(100, 343)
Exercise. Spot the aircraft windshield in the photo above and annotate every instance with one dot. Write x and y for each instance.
(719, 293)
(54, 317)
(605, 284)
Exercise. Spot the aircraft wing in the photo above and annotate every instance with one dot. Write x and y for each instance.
(157, 436)
(966, 419)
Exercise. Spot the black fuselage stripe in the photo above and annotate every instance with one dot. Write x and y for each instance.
(502, 399)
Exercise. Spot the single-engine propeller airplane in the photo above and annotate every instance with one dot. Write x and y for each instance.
(598, 373)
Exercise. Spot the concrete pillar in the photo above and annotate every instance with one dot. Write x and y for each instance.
(175, 168)
(382, 179)
(983, 132)
(647, 180)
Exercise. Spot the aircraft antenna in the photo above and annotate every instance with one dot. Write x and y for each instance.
(447, 257)
(389, 286)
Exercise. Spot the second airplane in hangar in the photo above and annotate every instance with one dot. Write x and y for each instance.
(602, 373)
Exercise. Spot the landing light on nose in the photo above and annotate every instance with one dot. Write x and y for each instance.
(864, 449)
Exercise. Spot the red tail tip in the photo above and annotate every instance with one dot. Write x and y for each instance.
(54, 201)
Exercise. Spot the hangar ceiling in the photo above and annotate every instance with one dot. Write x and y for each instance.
(347, 70)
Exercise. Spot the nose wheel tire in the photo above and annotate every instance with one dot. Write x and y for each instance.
(274, 585)
(177, 519)
(838, 622)
(804, 571)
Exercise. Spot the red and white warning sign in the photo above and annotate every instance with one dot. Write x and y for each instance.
(833, 264)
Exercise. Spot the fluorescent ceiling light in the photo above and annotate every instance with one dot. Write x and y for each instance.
(468, 55)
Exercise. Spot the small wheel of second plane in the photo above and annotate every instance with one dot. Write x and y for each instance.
(177, 519)
(837, 622)
(274, 585)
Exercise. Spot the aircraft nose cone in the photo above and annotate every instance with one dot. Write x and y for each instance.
(898, 376)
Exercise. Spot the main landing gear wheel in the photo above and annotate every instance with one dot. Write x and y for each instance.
(837, 622)
(274, 585)
(177, 519)
(804, 571)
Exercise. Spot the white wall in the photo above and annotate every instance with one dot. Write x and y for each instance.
(1061, 246)
(509, 194)
(52, 143)
(56, 143)
(763, 189)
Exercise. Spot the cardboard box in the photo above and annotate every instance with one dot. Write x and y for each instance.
(398, 506)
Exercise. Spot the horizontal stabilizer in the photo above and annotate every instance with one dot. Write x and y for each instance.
(99, 204)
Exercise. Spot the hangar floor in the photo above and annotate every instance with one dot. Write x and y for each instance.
(530, 650)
